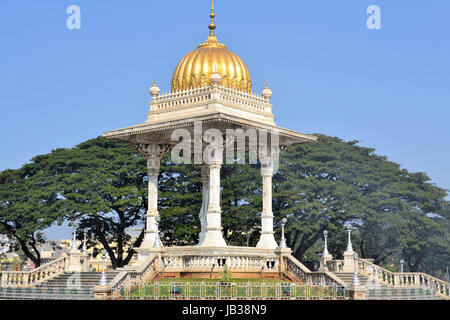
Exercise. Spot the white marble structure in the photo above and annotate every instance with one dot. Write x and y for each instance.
(210, 92)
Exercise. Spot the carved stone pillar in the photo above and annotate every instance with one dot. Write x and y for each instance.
(213, 236)
(205, 203)
(267, 239)
(153, 153)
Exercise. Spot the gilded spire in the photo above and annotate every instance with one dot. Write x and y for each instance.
(196, 68)
(212, 40)
(212, 26)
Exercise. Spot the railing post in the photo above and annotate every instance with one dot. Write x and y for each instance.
(4, 279)
(25, 279)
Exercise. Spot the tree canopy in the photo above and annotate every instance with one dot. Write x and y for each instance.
(323, 185)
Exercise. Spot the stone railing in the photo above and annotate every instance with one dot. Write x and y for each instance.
(35, 276)
(245, 100)
(171, 100)
(403, 279)
(128, 277)
(196, 96)
(218, 262)
(314, 278)
(335, 265)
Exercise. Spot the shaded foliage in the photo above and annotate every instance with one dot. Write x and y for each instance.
(323, 185)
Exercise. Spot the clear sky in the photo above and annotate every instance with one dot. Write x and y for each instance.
(329, 73)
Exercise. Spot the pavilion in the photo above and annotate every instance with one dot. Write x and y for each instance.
(211, 89)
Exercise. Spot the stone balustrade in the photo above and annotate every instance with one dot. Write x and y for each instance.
(335, 265)
(35, 276)
(314, 278)
(405, 279)
(209, 262)
(127, 278)
(192, 97)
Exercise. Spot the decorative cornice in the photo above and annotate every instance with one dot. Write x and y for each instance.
(293, 136)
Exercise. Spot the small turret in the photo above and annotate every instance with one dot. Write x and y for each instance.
(267, 93)
(154, 90)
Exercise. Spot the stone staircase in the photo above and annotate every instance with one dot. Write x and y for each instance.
(67, 286)
(380, 291)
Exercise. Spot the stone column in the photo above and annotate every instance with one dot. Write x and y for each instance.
(205, 203)
(154, 153)
(213, 236)
(267, 239)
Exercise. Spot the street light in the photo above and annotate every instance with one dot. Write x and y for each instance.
(402, 262)
(157, 243)
(283, 240)
(248, 239)
(103, 277)
(355, 281)
(84, 240)
(325, 249)
(74, 240)
(349, 244)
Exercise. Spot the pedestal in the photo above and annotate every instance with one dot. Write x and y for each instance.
(324, 261)
(74, 261)
(349, 264)
(358, 292)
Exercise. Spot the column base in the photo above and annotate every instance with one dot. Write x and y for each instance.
(358, 292)
(74, 261)
(267, 241)
(349, 264)
(213, 238)
(149, 240)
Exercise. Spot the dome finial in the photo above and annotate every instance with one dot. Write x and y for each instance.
(212, 26)
(267, 93)
(154, 90)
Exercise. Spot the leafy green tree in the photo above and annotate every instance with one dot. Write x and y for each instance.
(314, 189)
(323, 185)
(421, 237)
(103, 184)
(326, 184)
(180, 198)
(241, 203)
(27, 206)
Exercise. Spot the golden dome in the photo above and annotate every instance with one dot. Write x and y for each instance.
(195, 69)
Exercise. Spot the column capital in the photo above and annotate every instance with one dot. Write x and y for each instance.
(153, 150)
(266, 160)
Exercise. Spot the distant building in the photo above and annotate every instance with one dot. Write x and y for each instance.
(5, 244)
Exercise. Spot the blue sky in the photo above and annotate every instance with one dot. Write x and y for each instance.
(329, 73)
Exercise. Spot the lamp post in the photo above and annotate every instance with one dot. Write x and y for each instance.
(74, 239)
(325, 249)
(248, 239)
(103, 277)
(84, 240)
(158, 243)
(283, 240)
(447, 276)
(355, 281)
(349, 244)
(402, 263)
